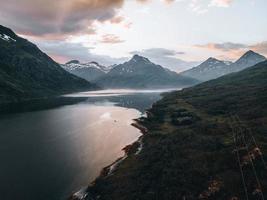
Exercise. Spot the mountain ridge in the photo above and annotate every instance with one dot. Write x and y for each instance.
(140, 72)
(89, 70)
(27, 72)
(213, 68)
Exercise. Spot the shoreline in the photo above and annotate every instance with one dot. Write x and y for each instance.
(132, 149)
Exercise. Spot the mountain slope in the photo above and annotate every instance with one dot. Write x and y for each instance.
(249, 59)
(89, 71)
(210, 69)
(188, 146)
(139, 72)
(213, 68)
(27, 72)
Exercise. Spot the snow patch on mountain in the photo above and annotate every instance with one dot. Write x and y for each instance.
(74, 65)
(6, 38)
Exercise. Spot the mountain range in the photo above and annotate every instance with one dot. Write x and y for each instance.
(213, 68)
(140, 72)
(27, 72)
(89, 71)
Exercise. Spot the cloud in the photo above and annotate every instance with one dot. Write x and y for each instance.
(227, 46)
(197, 7)
(202, 6)
(57, 18)
(260, 47)
(117, 19)
(111, 39)
(145, 1)
(158, 52)
(63, 51)
(166, 57)
(221, 3)
(232, 51)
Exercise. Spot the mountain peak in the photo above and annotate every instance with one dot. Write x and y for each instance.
(7, 34)
(212, 59)
(95, 63)
(73, 62)
(7, 31)
(251, 56)
(138, 58)
(251, 53)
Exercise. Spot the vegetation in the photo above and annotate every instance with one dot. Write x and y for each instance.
(38, 104)
(27, 72)
(189, 150)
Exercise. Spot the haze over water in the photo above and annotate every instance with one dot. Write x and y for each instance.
(51, 153)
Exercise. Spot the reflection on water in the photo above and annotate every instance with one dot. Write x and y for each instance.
(138, 99)
(117, 92)
(51, 153)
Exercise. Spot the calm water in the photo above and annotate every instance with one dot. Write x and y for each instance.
(49, 154)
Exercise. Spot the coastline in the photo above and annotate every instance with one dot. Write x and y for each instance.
(186, 153)
(130, 150)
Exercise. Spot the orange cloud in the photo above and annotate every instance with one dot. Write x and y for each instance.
(57, 18)
(111, 39)
(227, 46)
(221, 3)
(260, 47)
(234, 50)
(60, 18)
(117, 19)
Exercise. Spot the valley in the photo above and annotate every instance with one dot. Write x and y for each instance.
(130, 128)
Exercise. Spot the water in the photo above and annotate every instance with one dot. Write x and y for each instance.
(49, 154)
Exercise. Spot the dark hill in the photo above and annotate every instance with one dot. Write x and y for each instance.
(27, 72)
(189, 147)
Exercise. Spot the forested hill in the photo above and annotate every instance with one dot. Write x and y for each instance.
(189, 150)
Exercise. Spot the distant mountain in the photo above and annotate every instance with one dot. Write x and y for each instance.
(210, 69)
(139, 72)
(26, 72)
(89, 71)
(249, 59)
(214, 68)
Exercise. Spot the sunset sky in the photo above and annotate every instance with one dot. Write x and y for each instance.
(110, 31)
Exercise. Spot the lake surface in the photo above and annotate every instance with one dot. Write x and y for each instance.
(49, 154)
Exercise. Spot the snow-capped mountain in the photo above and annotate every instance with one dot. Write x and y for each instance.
(89, 71)
(7, 38)
(140, 72)
(75, 64)
(213, 68)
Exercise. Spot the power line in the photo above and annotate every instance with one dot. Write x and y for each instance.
(241, 136)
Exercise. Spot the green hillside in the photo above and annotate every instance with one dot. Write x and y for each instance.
(189, 151)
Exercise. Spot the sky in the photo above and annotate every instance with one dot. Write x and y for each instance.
(174, 33)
